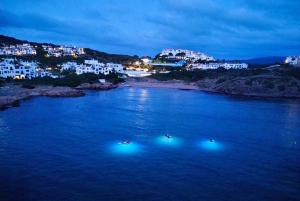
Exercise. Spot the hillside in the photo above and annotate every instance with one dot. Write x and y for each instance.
(265, 60)
(54, 61)
(276, 82)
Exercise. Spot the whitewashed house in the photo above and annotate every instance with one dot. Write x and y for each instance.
(24, 49)
(79, 51)
(235, 65)
(7, 51)
(187, 55)
(293, 60)
(44, 74)
(206, 66)
(18, 69)
(146, 60)
(217, 65)
(113, 67)
(175, 64)
(69, 66)
(94, 66)
(91, 68)
(62, 50)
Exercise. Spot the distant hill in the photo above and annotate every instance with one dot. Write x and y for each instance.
(90, 54)
(265, 60)
(6, 40)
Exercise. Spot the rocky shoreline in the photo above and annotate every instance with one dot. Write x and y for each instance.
(236, 87)
(24, 94)
(251, 86)
(15, 93)
(96, 86)
(282, 89)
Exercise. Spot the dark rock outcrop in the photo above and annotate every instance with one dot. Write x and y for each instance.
(24, 94)
(254, 86)
(96, 86)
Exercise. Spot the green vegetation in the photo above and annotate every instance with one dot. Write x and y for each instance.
(28, 86)
(281, 88)
(248, 82)
(70, 80)
(268, 84)
(55, 62)
(223, 74)
(280, 77)
(1, 82)
(292, 71)
(221, 80)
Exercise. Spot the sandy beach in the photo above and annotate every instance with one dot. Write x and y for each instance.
(151, 83)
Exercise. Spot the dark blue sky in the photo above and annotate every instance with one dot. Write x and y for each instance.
(224, 29)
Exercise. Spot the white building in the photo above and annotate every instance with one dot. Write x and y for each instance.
(89, 68)
(175, 64)
(24, 49)
(69, 66)
(93, 61)
(187, 55)
(115, 67)
(235, 65)
(146, 60)
(293, 60)
(217, 65)
(18, 69)
(94, 66)
(137, 73)
(63, 51)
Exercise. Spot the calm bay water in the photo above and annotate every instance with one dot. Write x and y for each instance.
(67, 148)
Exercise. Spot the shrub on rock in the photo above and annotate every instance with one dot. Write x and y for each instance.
(28, 86)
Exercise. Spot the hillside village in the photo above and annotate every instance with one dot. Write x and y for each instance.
(90, 69)
(166, 60)
(18, 50)
(62, 51)
(19, 69)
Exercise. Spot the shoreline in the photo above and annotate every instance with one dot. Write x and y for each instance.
(11, 95)
(181, 85)
(160, 84)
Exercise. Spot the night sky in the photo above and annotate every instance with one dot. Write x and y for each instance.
(229, 29)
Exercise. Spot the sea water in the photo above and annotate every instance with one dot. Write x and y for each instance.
(71, 148)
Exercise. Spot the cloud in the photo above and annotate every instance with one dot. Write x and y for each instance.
(61, 29)
(222, 29)
(213, 25)
(8, 19)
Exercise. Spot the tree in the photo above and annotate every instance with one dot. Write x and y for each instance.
(181, 54)
(157, 56)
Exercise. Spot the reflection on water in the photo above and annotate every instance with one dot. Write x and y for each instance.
(214, 146)
(57, 150)
(3, 135)
(143, 95)
(291, 123)
(171, 142)
(119, 148)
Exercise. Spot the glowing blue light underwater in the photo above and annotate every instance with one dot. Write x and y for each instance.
(206, 144)
(131, 148)
(173, 141)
